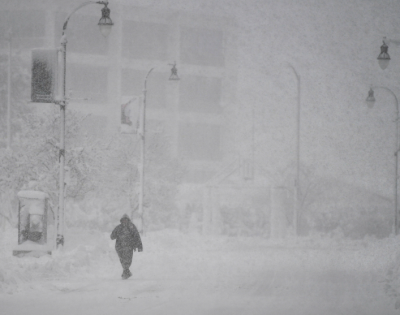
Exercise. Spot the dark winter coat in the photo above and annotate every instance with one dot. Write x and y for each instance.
(127, 236)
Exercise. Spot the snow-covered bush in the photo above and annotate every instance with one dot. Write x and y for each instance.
(8, 202)
(33, 163)
(95, 213)
(331, 203)
(20, 81)
(391, 276)
(244, 221)
(118, 181)
(105, 170)
(355, 221)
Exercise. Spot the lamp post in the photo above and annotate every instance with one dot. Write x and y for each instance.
(297, 180)
(9, 38)
(370, 102)
(105, 25)
(142, 135)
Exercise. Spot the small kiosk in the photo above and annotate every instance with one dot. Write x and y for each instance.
(33, 224)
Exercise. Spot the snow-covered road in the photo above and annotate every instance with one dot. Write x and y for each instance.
(183, 274)
(272, 292)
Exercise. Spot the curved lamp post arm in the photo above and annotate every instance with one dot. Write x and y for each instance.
(77, 8)
(145, 84)
(389, 41)
(63, 40)
(145, 80)
(392, 93)
(294, 70)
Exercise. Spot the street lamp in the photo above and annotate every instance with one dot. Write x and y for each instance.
(142, 135)
(105, 24)
(370, 99)
(384, 58)
(370, 102)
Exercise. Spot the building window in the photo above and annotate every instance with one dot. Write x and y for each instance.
(23, 23)
(145, 40)
(202, 47)
(87, 82)
(84, 35)
(133, 85)
(199, 141)
(28, 28)
(200, 94)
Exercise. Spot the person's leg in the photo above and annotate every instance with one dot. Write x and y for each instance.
(126, 261)
(120, 253)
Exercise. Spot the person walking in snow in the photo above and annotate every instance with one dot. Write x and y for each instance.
(127, 240)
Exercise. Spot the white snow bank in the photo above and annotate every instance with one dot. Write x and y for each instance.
(205, 261)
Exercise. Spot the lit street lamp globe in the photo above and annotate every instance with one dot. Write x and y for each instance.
(370, 99)
(384, 58)
(105, 23)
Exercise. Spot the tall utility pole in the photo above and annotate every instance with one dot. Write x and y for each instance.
(9, 37)
(61, 156)
(253, 135)
(142, 135)
(297, 180)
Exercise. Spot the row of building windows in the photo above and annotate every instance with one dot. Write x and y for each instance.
(196, 141)
(196, 93)
(150, 41)
(23, 24)
(140, 40)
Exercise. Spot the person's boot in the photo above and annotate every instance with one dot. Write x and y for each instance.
(126, 274)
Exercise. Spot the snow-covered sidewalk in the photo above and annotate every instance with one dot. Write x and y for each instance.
(190, 274)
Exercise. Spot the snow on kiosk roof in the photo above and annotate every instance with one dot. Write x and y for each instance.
(32, 194)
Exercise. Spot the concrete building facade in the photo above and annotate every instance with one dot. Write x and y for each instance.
(102, 71)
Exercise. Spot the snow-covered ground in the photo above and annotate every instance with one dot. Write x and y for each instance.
(191, 274)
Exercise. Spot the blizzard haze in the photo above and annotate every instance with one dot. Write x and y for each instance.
(267, 126)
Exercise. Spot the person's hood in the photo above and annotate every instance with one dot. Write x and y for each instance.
(125, 216)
